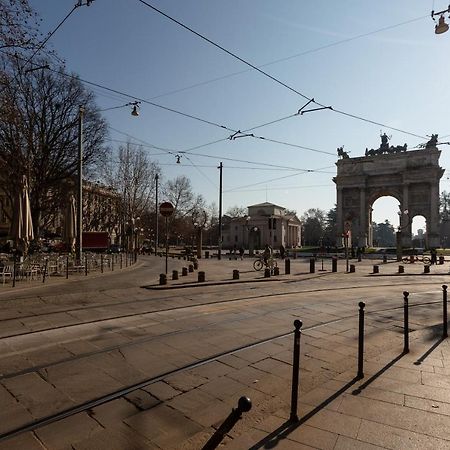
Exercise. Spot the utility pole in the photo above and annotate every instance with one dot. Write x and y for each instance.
(219, 254)
(156, 215)
(79, 239)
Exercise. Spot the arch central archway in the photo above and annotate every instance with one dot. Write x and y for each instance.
(410, 177)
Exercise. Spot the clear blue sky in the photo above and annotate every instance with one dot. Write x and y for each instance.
(398, 77)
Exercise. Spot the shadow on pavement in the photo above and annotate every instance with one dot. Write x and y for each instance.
(429, 351)
(272, 440)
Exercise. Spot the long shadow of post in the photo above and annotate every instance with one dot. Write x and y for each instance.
(271, 440)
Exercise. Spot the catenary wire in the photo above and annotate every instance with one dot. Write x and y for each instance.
(266, 74)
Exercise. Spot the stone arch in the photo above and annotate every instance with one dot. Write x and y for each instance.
(410, 177)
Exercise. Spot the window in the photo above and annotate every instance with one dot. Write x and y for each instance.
(235, 238)
(275, 238)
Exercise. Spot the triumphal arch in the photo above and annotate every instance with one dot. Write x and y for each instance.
(410, 176)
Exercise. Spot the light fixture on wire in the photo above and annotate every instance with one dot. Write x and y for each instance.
(441, 26)
(134, 111)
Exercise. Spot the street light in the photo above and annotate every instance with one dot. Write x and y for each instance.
(441, 26)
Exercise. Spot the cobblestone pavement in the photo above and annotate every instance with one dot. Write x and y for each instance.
(69, 342)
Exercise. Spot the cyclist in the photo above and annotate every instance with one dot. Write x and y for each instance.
(267, 254)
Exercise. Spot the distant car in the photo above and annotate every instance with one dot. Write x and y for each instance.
(115, 248)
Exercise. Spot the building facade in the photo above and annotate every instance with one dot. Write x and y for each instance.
(265, 223)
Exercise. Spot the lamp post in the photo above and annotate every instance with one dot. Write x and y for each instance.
(79, 237)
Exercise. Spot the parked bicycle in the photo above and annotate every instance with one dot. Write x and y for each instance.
(259, 263)
(414, 258)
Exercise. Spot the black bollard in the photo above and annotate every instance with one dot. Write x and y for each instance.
(384, 259)
(101, 263)
(334, 264)
(361, 341)
(85, 265)
(206, 254)
(184, 272)
(401, 269)
(45, 270)
(376, 269)
(359, 257)
(67, 267)
(121, 260)
(162, 278)
(312, 265)
(174, 274)
(244, 405)
(267, 273)
(201, 276)
(441, 259)
(112, 263)
(195, 265)
(276, 271)
(287, 266)
(352, 268)
(191, 268)
(235, 274)
(295, 371)
(405, 322)
(14, 271)
(444, 311)
(426, 269)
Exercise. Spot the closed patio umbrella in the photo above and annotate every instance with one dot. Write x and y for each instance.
(22, 224)
(70, 224)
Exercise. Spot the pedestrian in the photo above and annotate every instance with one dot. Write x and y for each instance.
(433, 256)
(241, 252)
(282, 251)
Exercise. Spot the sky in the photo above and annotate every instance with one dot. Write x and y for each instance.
(377, 60)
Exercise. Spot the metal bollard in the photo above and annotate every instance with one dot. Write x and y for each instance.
(244, 405)
(295, 370)
(14, 271)
(287, 266)
(162, 278)
(359, 257)
(312, 265)
(195, 265)
(361, 341)
(121, 260)
(384, 259)
(67, 267)
(112, 263)
(352, 268)
(191, 268)
(184, 272)
(376, 269)
(401, 269)
(267, 273)
(45, 270)
(206, 254)
(444, 311)
(405, 322)
(201, 276)
(334, 264)
(235, 274)
(101, 263)
(174, 274)
(426, 269)
(441, 259)
(276, 271)
(85, 265)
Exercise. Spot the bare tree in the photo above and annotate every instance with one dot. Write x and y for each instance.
(39, 135)
(179, 193)
(236, 211)
(19, 25)
(132, 175)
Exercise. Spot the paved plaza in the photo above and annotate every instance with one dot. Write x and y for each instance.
(136, 365)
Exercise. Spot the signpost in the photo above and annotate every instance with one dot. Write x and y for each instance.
(166, 210)
(346, 235)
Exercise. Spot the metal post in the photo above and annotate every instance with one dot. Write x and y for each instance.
(45, 270)
(156, 214)
(219, 253)
(67, 267)
(14, 271)
(346, 251)
(101, 263)
(405, 322)
(121, 260)
(244, 405)
(444, 311)
(167, 242)
(85, 265)
(361, 341)
(79, 236)
(126, 259)
(295, 371)
(112, 263)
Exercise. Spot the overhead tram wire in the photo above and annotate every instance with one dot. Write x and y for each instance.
(288, 58)
(202, 173)
(280, 188)
(266, 74)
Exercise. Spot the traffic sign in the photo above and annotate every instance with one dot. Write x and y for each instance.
(166, 209)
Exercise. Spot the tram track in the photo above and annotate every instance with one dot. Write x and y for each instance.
(90, 404)
(175, 308)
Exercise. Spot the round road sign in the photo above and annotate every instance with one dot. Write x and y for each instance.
(166, 209)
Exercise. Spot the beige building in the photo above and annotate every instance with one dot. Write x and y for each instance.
(265, 223)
